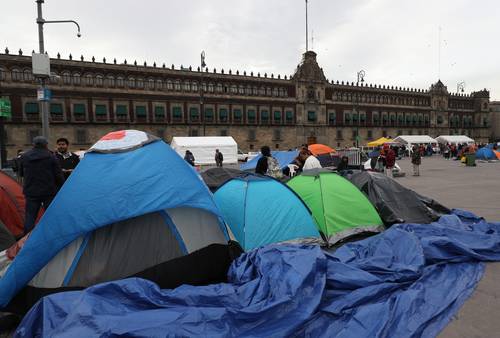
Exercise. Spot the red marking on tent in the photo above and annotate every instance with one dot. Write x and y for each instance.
(115, 135)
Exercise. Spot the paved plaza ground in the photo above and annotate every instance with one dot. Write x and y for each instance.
(476, 189)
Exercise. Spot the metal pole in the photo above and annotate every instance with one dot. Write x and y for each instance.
(202, 65)
(307, 32)
(45, 104)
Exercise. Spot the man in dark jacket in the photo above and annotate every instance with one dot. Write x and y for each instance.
(219, 158)
(67, 160)
(42, 178)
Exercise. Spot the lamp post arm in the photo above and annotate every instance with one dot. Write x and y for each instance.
(42, 21)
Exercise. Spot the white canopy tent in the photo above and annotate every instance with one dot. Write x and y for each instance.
(203, 148)
(454, 139)
(415, 139)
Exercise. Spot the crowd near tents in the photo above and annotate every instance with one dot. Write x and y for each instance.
(151, 246)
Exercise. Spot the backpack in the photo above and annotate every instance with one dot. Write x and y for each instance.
(273, 168)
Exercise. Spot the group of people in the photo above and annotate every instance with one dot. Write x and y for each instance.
(385, 161)
(268, 165)
(219, 158)
(42, 172)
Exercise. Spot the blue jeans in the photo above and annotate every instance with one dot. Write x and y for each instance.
(33, 205)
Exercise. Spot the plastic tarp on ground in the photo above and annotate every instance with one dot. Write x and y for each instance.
(394, 203)
(486, 153)
(415, 139)
(454, 139)
(284, 158)
(406, 282)
(203, 148)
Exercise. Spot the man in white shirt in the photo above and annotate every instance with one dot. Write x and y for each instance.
(310, 162)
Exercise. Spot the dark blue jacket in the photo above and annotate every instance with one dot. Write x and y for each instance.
(41, 172)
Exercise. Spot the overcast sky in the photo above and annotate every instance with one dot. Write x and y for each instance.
(394, 41)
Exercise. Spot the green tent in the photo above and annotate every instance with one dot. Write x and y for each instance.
(339, 209)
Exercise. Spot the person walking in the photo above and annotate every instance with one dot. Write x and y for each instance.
(390, 160)
(42, 178)
(219, 158)
(67, 160)
(416, 160)
(189, 157)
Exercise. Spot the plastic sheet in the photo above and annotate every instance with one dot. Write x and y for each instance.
(405, 282)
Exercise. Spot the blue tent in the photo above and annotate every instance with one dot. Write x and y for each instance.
(131, 204)
(485, 153)
(284, 158)
(260, 210)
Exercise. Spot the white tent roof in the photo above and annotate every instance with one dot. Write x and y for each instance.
(454, 139)
(203, 148)
(415, 139)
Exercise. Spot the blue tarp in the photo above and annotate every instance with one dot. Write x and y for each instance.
(485, 153)
(405, 282)
(284, 158)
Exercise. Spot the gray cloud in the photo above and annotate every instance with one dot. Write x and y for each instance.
(395, 42)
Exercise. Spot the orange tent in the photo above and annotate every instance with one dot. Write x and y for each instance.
(497, 153)
(319, 149)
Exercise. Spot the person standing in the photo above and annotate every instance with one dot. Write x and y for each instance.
(189, 157)
(16, 163)
(219, 158)
(67, 160)
(416, 160)
(42, 178)
(390, 160)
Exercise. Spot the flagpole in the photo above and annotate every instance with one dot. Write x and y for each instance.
(307, 33)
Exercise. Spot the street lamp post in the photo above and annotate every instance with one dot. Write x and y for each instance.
(461, 87)
(361, 78)
(202, 112)
(43, 79)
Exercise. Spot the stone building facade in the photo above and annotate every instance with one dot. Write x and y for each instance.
(91, 98)
(495, 121)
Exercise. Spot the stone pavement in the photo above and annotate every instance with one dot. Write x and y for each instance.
(476, 189)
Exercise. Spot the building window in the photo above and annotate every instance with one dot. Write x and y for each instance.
(140, 83)
(110, 81)
(131, 82)
(400, 132)
(56, 111)
(277, 116)
(177, 113)
(339, 135)
(76, 79)
(251, 116)
(194, 87)
(264, 116)
(362, 117)
(223, 115)
(375, 118)
(311, 116)
(31, 108)
(251, 135)
(2, 74)
(159, 84)
(159, 113)
(439, 119)
(120, 82)
(276, 92)
(66, 78)
(370, 134)
(79, 111)
(193, 114)
(211, 87)
(209, 114)
(101, 112)
(16, 75)
(187, 86)
(89, 80)
(170, 85)
(121, 110)
(81, 136)
(354, 134)
(99, 80)
(193, 132)
(289, 116)
(141, 112)
(384, 133)
(332, 118)
(347, 117)
(223, 132)
(237, 115)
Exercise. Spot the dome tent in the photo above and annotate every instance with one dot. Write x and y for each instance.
(260, 210)
(485, 153)
(12, 205)
(6, 238)
(131, 205)
(338, 207)
(215, 177)
(395, 203)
